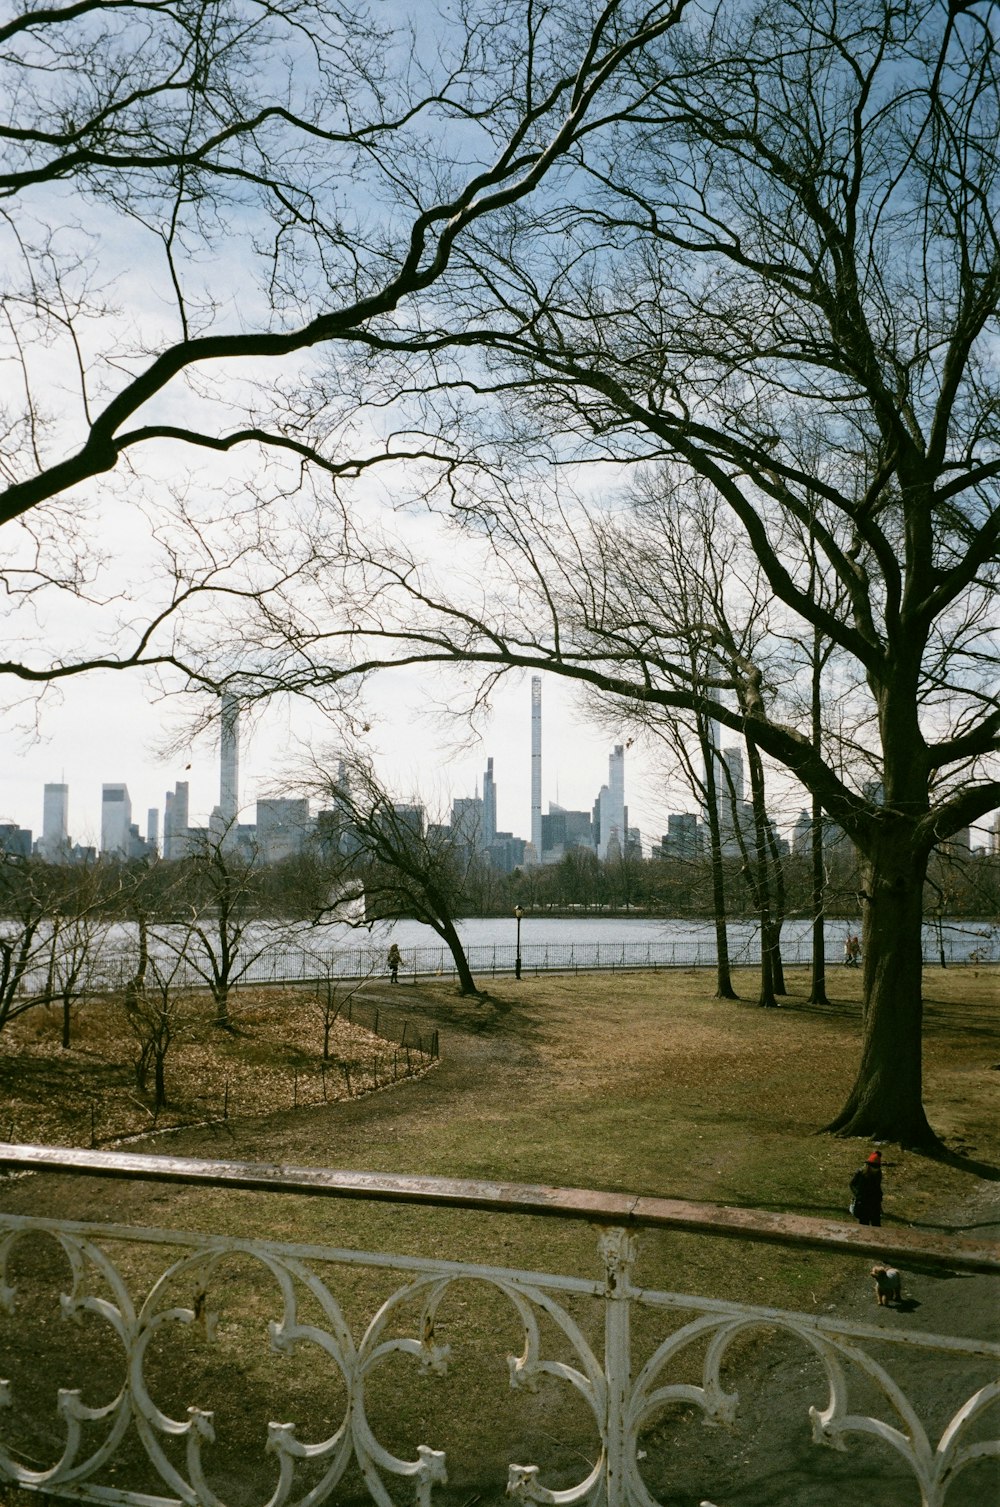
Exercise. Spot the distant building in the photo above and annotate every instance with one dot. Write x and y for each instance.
(176, 840)
(409, 814)
(468, 823)
(732, 758)
(229, 770)
(536, 770)
(489, 806)
(506, 852)
(735, 814)
(682, 838)
(15, 841)
(611, 808)
(802, 835)
(562, 830)
(153, 828)
(283, 826)
(116, 819)
(53, 845)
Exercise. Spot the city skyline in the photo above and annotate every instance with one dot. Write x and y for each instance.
(576, 765)
(85, 751)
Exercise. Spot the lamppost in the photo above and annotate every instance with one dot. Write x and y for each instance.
(518, 913)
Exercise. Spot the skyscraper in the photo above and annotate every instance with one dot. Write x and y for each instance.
(116, 819)
(468, 823)
(489, 806)
(175, 821)
(55, 822)
(733, 760)
(229, 767)
(612, 806)
(536, 765)
(282, 827)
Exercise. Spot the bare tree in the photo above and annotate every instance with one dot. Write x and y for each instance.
(79, 925)
(217, 889)
(28, 905)
(333, 993)
(159, 1014)
(783, 276)
(387, 855)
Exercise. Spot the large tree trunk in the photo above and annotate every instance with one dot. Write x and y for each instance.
(886, 1101)
(817, 995)
(723, 977)
(220, 991)
(761, 878)
(446, 929)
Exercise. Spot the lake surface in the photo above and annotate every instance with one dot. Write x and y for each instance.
(274, 952)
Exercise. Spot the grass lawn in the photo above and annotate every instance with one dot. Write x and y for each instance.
(639, 1082)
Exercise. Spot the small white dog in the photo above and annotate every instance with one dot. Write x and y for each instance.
(888, 1285)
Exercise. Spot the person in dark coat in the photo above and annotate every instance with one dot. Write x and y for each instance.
(866, 1191)
(392, 963)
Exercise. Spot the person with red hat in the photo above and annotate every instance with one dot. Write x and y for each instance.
(866, 1191)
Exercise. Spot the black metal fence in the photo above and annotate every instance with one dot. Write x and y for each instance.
(290, 964)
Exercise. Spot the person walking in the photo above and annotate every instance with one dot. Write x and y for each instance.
(866, 1191)
(393, 961)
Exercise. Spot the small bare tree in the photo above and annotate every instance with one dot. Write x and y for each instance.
(224, 932)
(333, 994)
(158, 1013)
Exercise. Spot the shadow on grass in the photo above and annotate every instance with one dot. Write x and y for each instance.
(961, 1163)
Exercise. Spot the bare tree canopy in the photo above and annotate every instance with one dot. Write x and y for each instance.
(777, 280)
(283, 169)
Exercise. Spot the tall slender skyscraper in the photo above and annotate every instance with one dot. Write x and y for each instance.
(489, 806)
(733, 760)
(229, 768)
(536, 766)
(175, 821)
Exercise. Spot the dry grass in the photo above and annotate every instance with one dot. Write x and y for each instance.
(642, 1082)
(271, 1060)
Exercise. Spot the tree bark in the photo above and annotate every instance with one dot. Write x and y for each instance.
(886, 1101)
(221, 993)
(445, 928)
(760, 877)
(723, 977)
(817, 994)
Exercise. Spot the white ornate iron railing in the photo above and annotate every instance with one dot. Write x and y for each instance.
(138, 1446)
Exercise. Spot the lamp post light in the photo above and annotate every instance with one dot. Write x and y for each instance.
(518, 913)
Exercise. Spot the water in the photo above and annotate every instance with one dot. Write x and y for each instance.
(546, 942)
(272, 951)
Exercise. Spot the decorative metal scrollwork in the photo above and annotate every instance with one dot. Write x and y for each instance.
(310, 1325)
